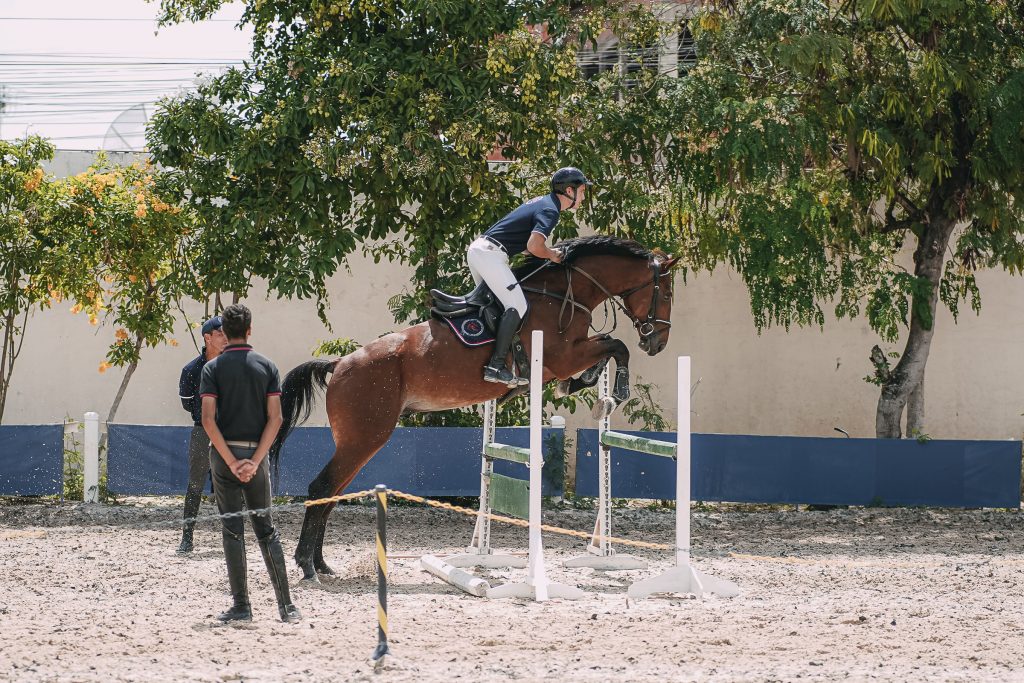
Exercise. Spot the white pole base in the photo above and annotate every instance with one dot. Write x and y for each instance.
(683, 579)
(488, 560)
(530, 592)
(455, 576)
(611, 562)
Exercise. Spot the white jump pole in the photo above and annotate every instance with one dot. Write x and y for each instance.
(91, 459)
(683, 578)
(537, 585)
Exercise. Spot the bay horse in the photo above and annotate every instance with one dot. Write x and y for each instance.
(424, 368)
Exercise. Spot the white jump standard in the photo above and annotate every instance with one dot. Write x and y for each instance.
(512, 496)
(682, 578)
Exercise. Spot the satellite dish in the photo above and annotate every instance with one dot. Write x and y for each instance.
(128, 131)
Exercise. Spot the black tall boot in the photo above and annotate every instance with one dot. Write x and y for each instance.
(186, 539)
(273, 555)
(234, 557)
(496, 370)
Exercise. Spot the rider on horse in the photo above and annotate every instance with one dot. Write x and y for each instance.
(524, 229)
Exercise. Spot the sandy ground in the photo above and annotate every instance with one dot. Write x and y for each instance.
(96, 593)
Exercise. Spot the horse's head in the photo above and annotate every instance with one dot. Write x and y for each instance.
(650, 304)
(637, 281)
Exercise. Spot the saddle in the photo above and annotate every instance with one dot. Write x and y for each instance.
(480, 303)
(474, 318)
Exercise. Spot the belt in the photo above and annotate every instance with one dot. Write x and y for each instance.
(243, 444)
(495, 243)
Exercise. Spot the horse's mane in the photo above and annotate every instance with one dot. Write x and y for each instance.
(580, 247)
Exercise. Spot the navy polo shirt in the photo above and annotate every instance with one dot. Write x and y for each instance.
(188, 387)
(241, 380)
(512, 232)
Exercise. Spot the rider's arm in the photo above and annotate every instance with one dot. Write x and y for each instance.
(538, 246)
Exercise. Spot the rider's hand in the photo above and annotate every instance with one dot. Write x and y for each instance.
(555, 255)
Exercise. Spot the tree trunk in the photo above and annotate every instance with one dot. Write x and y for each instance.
(908, 374)
(915, 411)
(14, 337)
(124, 381)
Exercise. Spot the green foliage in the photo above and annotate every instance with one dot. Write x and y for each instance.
(121, 246)
(368, 126)
(335, 348)
(815, 139)
(641, 410)
(113, 240)
(357, 123)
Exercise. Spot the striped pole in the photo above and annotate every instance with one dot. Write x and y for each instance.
(381, 492)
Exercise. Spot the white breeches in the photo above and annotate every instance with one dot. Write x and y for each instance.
(489, 263)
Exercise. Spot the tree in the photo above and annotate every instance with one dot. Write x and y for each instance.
(25, 193)
(816, 140)
(120, 250)
(370, 124)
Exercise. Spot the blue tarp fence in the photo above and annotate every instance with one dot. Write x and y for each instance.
(445, 462)
(425, 461)
(31, 460)
(783, 469)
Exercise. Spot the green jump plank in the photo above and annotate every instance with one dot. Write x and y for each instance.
(510, 495)
(502, 451)
(639, 443)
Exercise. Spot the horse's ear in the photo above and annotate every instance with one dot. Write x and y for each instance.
(669, 263)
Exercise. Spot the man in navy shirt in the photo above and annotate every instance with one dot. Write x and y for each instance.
(199, 442)
(525, 229)
(241, 393)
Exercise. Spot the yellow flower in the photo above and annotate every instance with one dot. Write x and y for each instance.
(32, 183)
(104, 366)
(173, 342)
(140, 211)
(121, 334)
(77, 308)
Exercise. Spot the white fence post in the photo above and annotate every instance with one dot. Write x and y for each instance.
(91, 459)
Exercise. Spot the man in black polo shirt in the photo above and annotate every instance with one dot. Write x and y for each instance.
(241, 393)
(199, 442)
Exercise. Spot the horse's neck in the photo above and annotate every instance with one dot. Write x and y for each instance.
(611, 275)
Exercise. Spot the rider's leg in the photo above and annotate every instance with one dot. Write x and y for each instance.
(491, 264)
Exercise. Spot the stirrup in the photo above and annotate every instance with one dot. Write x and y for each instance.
(500, 376)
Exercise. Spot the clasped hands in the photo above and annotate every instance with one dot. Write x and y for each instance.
(244, 469)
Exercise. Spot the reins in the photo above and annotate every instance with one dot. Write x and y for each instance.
(645, 328)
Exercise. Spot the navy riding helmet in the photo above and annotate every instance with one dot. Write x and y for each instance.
(567, 177)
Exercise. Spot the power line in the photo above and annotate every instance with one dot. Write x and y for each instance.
(150, 21)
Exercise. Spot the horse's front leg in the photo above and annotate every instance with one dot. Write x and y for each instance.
(592, 355)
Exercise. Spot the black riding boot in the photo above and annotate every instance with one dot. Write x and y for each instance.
(186, 540)
(496, 370)
(234, 556)
(273, 555)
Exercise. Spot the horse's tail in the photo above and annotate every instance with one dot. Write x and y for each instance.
(297, 394)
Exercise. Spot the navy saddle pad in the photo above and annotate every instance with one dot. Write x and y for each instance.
(470, 329)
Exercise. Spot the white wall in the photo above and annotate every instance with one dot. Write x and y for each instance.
(804, 382)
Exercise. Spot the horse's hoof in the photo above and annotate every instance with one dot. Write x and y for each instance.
(603, 407)
(309, 578)
(562, 389)
(325, 570)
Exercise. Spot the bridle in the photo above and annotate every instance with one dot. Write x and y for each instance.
(645, 328)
